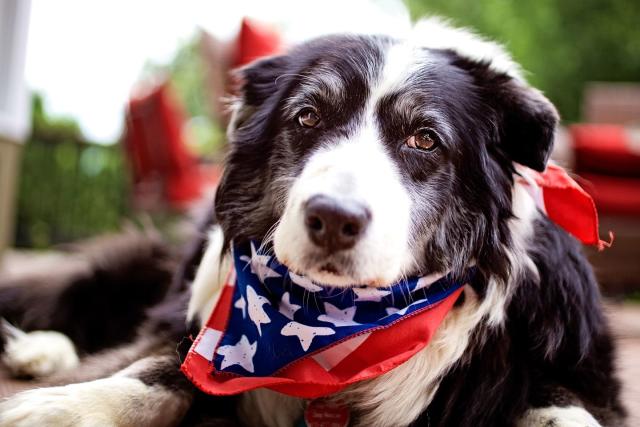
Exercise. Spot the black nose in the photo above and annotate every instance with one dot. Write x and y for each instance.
(335, 225)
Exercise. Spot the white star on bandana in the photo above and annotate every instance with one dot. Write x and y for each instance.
(337, 316)
(287, 308)
(240, 354)
(305, 333)
(370, 294)
(259, 265)
(391, 310)
(428, 280)
(241, 304)
(304, 282)
(256, 312)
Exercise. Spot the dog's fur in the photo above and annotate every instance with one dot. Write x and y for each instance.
(526, 344)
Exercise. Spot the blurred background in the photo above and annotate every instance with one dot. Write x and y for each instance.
(112, 114)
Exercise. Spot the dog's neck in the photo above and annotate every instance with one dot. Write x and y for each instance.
(400, 396)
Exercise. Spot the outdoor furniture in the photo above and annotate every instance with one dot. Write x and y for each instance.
(606, 156)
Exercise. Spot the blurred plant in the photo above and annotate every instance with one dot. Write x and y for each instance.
(47, 128)
(561, 43)
(69, 187)
(186, 72)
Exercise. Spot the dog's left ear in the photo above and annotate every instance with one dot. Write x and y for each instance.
(255, 83)
(528, 122)
(525, 119)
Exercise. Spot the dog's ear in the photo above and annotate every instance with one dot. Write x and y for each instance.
(255, 83)
(524, 118)
(527, 123)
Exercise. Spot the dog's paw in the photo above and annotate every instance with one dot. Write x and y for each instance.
(114, 401)
(555, 416)
(37, 354)
(53, 406)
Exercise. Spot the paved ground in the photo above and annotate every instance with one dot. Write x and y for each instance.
(625, 322)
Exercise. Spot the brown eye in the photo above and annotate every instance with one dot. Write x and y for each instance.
(424, 139)
(308, 118)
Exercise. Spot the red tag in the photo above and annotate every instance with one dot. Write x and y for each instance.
(321, 413)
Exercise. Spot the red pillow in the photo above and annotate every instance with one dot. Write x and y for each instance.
(254, 41)
(607, 149)
(613, 195)
(156, 149)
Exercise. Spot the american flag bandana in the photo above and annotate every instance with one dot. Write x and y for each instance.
(273, 328)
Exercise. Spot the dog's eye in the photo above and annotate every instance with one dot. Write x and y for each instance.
(424, 139)
(308, 118)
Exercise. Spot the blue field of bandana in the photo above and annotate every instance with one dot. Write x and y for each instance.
(279, 317)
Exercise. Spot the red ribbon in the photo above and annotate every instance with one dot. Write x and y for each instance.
(567, 204)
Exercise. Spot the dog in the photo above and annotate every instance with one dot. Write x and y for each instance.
(365, 159)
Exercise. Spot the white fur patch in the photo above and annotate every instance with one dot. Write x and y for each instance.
(115, 401)
(437, 33)
(555, 416)
(357, 169)
(119, 400)
(210, 277)
(38, 354)
(382, 253)
(401, 60)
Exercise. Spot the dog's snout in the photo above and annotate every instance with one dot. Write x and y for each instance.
(335, 225)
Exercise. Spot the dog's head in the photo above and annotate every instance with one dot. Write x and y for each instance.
(365, 159)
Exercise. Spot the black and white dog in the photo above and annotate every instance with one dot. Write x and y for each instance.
(363, 159)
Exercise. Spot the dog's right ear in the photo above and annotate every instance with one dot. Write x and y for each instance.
(255, 83)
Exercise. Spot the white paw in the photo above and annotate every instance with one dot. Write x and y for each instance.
(54, 406)
(108, 402)
(555, 416)
(39, 353)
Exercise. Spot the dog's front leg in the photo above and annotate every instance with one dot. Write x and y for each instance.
(558, 416)
(150, 392)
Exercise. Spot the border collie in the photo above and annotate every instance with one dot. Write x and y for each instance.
(412, 147)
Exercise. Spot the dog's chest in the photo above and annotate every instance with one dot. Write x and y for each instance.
(394, 399)
(388, 400)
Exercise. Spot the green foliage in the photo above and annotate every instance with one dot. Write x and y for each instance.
(49, 128)
(186, 72)
(562, 44)
(69, 188)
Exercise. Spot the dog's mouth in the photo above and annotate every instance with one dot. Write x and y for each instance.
(329, 268)
(329, 271)
(337, 270)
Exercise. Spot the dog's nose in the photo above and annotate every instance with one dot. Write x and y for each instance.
(335, 225)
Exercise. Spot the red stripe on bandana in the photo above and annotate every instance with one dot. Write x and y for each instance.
(379, 353)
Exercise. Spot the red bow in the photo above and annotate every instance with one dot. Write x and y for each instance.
(565, 203)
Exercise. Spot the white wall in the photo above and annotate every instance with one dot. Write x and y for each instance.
(14, 108)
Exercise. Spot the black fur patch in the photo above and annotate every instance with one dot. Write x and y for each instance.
(100, 305)
(555, 348)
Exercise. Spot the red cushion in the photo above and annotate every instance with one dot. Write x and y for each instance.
(156, 148)
(613, 195)
(605, 149)
(255, 41)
